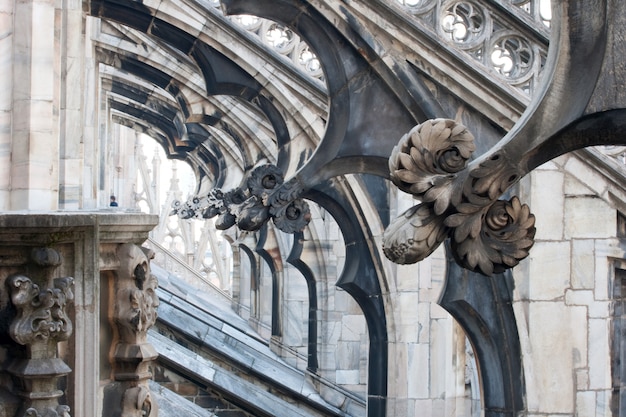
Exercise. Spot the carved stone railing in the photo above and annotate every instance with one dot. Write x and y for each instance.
(173, 264)
(507, 38)
(282, 40)
(60, 273)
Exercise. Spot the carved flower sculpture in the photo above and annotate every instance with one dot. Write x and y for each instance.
(252, 214)
(292, 217)
(414, 235)
(426, 160)
(488, 235)
(506, 236)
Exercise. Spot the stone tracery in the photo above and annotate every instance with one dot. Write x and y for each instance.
(481, 31)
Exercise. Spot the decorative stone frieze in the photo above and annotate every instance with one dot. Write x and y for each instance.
(488, 235)
(41, 321)
(134, 312)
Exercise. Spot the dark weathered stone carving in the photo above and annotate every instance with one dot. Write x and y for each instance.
(59, 411)
(426, 159)
(263, 179)
(134, 312)
(41, 314)
(264, 196)
(414, 235)
(41, 321)
(488, 235)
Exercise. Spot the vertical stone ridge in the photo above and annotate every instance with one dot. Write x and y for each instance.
(133, 313)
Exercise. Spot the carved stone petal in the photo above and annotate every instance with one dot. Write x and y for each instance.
(414, 235)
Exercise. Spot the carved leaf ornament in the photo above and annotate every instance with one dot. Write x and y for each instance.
(263, 196)
(488, 235)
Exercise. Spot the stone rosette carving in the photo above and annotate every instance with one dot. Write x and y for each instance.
(264, 195)
(264, 179)
(488, 235)
(290, 212)
(426, 159)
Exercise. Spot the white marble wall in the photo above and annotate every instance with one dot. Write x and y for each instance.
(562, 298)
(42, 45)
(35, 141)
(6, 99)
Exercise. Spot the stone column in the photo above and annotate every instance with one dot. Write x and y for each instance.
(73, 93)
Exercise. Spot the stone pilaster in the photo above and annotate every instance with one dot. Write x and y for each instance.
(34, 124)
(132, 313)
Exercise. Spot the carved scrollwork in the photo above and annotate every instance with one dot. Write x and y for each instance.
(58, 411)
(41, 314)
(475, 28)
(465, 23)
(512, 55)
(488, 235)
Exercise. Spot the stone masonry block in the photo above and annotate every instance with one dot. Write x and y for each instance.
(582, 379)
(352, 328)
(419, 369)
(554, 327)
(587, 176)
(347, 377)
(583, 264)
(586, 403)
(549, 270)
(600, 354)
(589, 217)
(547, 204)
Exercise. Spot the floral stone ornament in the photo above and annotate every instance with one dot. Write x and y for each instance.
(458, 201)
